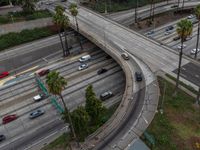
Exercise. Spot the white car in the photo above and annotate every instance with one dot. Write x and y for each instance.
(179, 46)
(194, 50)
(82, 67)
(190, 16)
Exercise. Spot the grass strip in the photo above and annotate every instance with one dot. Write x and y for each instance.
(178, 128)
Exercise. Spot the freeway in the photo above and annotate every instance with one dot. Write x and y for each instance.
(191, 71)
(22, 129)
(127, 17)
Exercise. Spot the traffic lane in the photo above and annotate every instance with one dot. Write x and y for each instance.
(99, 88)
(80, 87)
(79, 100)
(190, 72)
(26, 58)
(27, 100)
(130, 117)
(24, 123)
(34, 136)
(68, 69)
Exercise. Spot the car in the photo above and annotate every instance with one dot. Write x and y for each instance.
(179, 46)
(174, 6)
(43, 72)
(187, 38)
(39, 97)
(106, 95)
(125, 56)
(9, 118)
(176, 38)
(194, 20)
(138, 76)
(169, 28)
(108, 57)
(101, 71)
(149, 34)
(85, 58)
(82, 67)
(194, 50)
(4, 74)
(191, 16)
(36, 114)
(168, 32)
(2, 137)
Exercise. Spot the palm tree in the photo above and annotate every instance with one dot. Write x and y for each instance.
(62, 22)
(184, 29)
(27, 5)
(197, 13)
(56, 84)
(74, 12)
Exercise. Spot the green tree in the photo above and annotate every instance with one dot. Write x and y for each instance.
(80, 120)
(28, 6)
(56, 84)
(197, 13)
(74, 12)
(62, 22)
(184, 29)
(93, 106)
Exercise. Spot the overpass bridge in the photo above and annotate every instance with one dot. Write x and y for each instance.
(114, 39)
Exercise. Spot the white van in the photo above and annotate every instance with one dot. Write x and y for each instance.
(85, 58)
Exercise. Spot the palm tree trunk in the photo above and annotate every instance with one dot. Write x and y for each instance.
(136, 11)
(151, 6)
(179, 68)
(69, 117)
(66, 44)
(59, 33)
(78, 34)
(183, 4)
(197, 45)
(153, 11)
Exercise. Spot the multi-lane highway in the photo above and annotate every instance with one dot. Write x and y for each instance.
(18, 99)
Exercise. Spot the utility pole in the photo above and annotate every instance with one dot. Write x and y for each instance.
(136, 11)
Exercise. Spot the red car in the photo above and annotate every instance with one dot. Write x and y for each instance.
(4, 74)
(43, 72)
(9, 118)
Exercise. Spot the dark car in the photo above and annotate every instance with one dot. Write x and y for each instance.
(174, 6)
(169, 28)
(4, 74)
(176, 38)
(2, 137)
(106, 95)
(101, 71)
(9, 118)
(36, 114)
(43, 72)
(108, 57)
(138, 76)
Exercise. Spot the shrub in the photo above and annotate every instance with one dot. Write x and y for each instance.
(13, 39)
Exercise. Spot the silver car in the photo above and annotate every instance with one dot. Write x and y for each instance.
(36, 114)
(82, 67)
